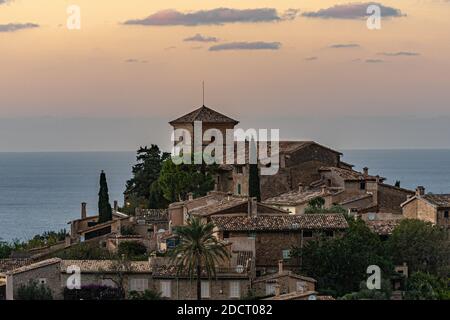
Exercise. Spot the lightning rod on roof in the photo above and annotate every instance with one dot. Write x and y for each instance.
(203, 84)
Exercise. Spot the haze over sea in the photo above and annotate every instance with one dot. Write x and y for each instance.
(43, 191)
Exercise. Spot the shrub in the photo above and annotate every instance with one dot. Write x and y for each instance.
(93, 292)
(127, 231)
(34, 291)
(132, 249)
(146, 295)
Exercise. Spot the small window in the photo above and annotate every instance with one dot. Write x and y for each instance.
(286, 254)
(307, 234)
(166, 289)
(252, 235)
(239, 169)
(226, 234)
(42, 281)
(239, 189)
(446, 214)
(235, 289)
(139, 285)
(270, 289)
(362, 185)
(206, 292)
(301, 286)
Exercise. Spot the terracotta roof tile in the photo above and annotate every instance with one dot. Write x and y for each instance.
(350, 175)
(11, 264)
(105, 266)
(204, 114)
(296, 197)
(439, 200)
(280, 222)
(36, 265)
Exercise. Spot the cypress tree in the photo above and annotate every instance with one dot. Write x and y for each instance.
(104, 207)
(254, 189)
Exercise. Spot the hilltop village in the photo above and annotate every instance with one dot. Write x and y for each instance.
(314, 195)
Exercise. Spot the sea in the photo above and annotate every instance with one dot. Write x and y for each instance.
(43, 191)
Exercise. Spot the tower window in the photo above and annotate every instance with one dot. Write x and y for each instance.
(239, 189)
(362, 185)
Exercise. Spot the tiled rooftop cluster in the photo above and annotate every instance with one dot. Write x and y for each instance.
(439, 200)
(280, 222)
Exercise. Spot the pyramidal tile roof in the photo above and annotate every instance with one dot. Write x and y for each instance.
(204, 114)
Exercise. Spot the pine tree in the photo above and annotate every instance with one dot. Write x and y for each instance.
(254, 189)
(104, 207)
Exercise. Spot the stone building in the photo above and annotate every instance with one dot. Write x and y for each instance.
(432, 208)
(301, 163)
(45, 272)
(283, 282)
(276, 234)
(215, 203)
(87, 227)
(296, 201)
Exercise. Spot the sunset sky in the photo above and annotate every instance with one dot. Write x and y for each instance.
(293, 60)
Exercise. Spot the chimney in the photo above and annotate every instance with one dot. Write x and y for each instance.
(280, 266)
(83, 210)
(420, 191)
(190, 196)
(301, 187)
(324, 189)
(116, 206)
(252, 207)
(366, 171)
(170, 226)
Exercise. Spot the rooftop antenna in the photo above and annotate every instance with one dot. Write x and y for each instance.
(203, 83)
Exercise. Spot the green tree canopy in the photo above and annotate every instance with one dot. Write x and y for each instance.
(340, 264)
(104, 207)
(141, 189)
(177, 181)
(424, 286)
(423, 246)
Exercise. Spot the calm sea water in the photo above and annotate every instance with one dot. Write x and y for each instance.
(43, 191)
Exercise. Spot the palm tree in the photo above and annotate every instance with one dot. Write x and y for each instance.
(198, 249)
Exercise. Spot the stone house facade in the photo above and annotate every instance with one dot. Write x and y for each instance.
(276, 235)
(45, 272)
(434, 208)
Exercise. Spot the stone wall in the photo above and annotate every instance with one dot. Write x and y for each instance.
(185, 289)
(50, 274)
(420, 209)
(269, 248)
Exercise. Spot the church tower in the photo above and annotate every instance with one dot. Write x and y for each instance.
(210, 119)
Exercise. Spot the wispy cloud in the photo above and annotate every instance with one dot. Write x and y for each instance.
(311, 58)
(5, 1)
(11, 27)
(217, 16)
(132, 60)
(344, 45)
(399, 54)
(200, 38)
(374, 61)
(352, 11)
(258, 45)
